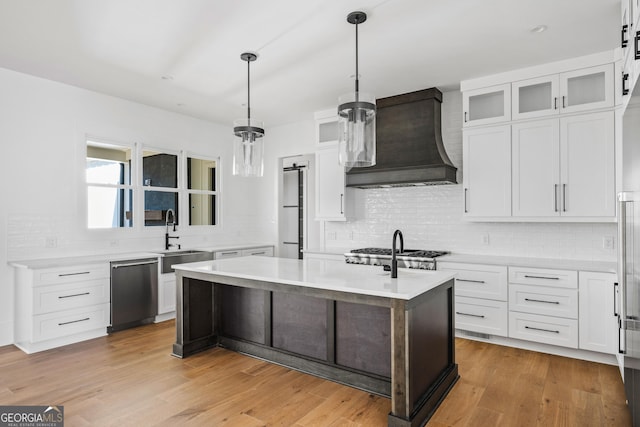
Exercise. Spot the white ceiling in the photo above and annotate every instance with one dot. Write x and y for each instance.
(306, 48)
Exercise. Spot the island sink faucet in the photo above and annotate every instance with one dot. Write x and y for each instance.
(167, 245)
(394, 261)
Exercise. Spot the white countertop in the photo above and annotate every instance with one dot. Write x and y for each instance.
(324, 274)
(560, 264)
(97, 258)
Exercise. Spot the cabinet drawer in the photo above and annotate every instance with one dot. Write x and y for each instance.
(480, 315)
(544, 329)
(76, 273)
(47, 299)
(480, 281)
(265, 251)
(69, 322)
(544, 277)
(227, 254)
(544, 300)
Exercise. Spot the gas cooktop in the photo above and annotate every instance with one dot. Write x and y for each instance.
(408, 258)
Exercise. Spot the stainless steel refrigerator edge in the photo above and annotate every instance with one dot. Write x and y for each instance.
(134, 293)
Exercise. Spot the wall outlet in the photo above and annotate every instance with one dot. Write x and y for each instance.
(50, 242)
(485, 239)
(608, 242)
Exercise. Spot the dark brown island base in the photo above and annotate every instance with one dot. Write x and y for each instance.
(352, 324)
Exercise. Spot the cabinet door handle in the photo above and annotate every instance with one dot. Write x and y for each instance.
(540, 329)
(623, 38)
(470, 281)
(636, 42)
(615, 299)
(74, 295)
(555, 197)
(563, 105)
(555, 103)
(465, 117)
(625, 80)
(470, 315)
(73, 274)
(564, 197)
(541, 277)
(342, 204)
(74, 321)
(465, 200)
(541, 300)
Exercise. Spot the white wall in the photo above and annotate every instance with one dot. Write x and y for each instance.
(43, 129)
(431, 217)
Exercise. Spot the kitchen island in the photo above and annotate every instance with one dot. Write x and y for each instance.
(352, 324)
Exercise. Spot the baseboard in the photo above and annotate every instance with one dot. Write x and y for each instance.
(6, 332)
(591, 356)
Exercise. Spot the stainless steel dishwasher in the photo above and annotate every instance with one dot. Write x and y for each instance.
(134, 293)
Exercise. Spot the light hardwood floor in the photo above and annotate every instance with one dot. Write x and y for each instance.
(130, 379)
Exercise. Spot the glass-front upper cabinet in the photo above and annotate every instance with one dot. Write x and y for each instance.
(487, 105)
(570, 92)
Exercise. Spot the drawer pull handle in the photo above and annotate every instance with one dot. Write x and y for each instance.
(470, 281)
(74, 295)
(74, 321)
(541, 300)
(541, 277)
(73, 274)
(258, 253)
(543, 330)
(230, 253)
(470, 315)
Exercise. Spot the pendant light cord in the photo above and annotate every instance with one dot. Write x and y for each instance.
(248, 93)
(357, 78)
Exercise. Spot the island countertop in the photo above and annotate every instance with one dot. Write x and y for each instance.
(324, 274)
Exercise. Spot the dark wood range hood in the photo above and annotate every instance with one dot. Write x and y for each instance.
(409, 148)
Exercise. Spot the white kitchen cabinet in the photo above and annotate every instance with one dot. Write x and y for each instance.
(263, 251)
(543, 305)
(231, 253)
(587, 172)
(330, 185)
(61, 305)
(564, 167)
(480, 297)
(598, 322)
(486, 105)
(166, 293)
(326, 127)
(570, 92)
(487, 172)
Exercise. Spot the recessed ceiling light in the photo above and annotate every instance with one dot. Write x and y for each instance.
(539, 29)
(167, 77)
(180, 104)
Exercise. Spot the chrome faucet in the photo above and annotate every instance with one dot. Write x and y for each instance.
(394, 261)
(167, 245)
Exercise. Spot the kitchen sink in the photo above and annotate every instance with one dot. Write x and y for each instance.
(170, 258)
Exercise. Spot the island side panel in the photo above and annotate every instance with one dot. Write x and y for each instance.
(363, 338)
(195, 326)
(243, 313)
(300, 324)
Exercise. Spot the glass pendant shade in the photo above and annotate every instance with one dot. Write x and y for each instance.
(248, 147)
(357, 130)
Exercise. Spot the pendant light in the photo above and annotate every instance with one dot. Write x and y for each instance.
(357, 118)
(248, 142)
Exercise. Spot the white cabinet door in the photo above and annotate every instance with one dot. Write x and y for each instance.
(487, 172)
(587, 89)
(330, 185)
(487, 105)
(598, 326)
(536, 168)
(327, 131)
(535, 97)
(587, 165)
(167, 293)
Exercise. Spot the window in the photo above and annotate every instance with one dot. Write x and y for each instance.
(201, 190)
(160, 172)
(109, 191)
(156, 180)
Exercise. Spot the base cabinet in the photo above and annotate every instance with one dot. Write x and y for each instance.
(598, 317)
